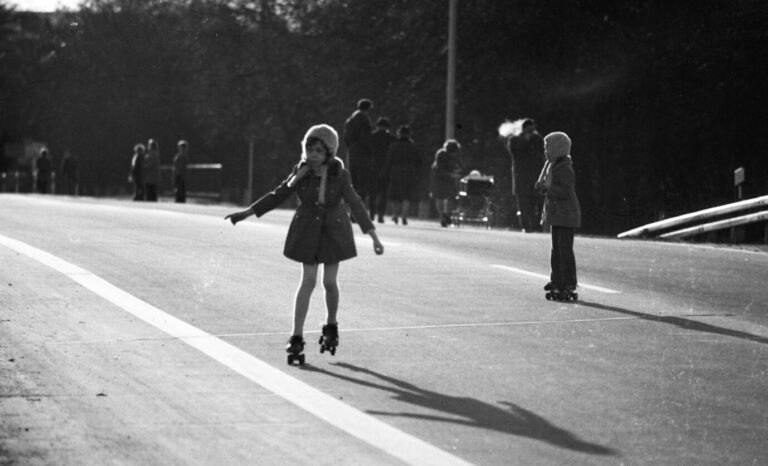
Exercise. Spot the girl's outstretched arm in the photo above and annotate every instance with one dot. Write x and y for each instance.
(377, 246)
(239, 216)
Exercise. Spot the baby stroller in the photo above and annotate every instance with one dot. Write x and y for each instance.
(473, 203)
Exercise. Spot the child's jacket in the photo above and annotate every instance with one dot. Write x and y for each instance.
(561, 206)
(319, 233)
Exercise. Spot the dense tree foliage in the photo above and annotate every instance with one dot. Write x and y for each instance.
(662, 99)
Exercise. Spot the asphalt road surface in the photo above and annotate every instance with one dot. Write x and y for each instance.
(134, 333)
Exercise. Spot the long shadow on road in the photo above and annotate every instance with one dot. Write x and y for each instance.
(513, 420)
(682, 322)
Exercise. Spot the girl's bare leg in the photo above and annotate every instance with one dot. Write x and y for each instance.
(330, 283)
(301, 302)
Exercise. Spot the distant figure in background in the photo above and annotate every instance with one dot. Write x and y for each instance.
(44, 167)
(152, 170)
(527, 152)
(180, 162)
(70, 174)
(136, 175)
(357, 137)
(402, 167)
(381, 139)
(444, 173)
(561, 211)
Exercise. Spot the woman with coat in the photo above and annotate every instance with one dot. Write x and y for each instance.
(442, 180)
(402, 167)
(136, 174)
(152, 170)
(562, 213)
(321, 231)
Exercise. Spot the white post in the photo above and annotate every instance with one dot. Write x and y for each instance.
(250, 172)
(450, 100)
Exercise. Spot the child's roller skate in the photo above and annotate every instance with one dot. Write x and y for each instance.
(295, 348)
(565, 293)
(568, 293)
(552, 291)
(329, 340)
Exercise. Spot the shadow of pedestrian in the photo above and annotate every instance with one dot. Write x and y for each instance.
(682, 322)
(512, 419)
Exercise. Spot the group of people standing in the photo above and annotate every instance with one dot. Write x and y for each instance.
(384, 167)
(145, 171)
(45, 174)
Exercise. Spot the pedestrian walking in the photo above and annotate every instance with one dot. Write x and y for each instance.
(402, 167)
(180, 162)
(444, 173)
(321, 231)
(357, 137)
(381, 139)
(562, 213)
(527, 153)
(136, 175)
(70, 174)
(44, 170)
(151, 170)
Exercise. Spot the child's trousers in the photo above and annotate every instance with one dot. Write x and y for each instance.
(562, 259)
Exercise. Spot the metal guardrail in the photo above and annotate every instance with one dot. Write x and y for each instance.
(714, 226)
(656, 228)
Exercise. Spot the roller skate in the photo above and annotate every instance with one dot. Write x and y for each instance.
(295, 348)
(329, 340)
(565, 293)
(568, 293)
(551, 291)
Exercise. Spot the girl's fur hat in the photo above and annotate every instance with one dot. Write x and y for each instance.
(557, 145)
(325, 133)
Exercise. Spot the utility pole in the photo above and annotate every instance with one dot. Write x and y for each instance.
(249, 196)
(450, 97)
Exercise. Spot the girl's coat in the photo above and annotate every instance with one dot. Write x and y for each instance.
(561, 206)
(319, 233)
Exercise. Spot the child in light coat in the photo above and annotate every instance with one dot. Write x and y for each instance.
(562, 211)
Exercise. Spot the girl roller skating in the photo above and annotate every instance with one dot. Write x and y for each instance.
(320, 232)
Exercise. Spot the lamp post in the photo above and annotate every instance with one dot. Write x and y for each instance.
(450, 94)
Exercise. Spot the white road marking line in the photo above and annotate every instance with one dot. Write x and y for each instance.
(395, 442)
(546, 277)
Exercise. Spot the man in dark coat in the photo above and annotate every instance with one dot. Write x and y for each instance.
(357, 137)
(402, 167)
(70, 173)
(180, 163)
(380, 142)
(527, 152)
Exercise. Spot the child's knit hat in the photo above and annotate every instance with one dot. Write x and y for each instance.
(557, 145)
(325, 133)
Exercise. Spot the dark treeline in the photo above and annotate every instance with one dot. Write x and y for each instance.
(663, 99)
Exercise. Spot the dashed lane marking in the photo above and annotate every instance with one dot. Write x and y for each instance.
(546, 277)
(396, 443)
